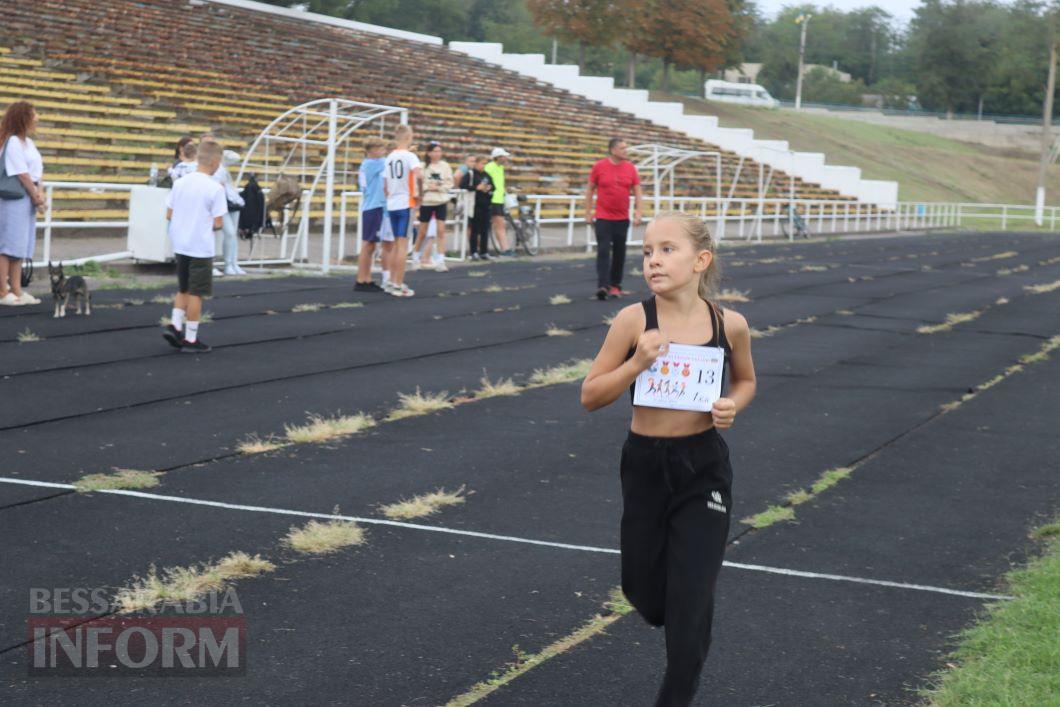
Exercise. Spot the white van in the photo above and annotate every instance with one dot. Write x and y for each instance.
(747, 93)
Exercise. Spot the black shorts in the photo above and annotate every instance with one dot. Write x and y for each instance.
(194, 275)
(497, 210)
(438, 211)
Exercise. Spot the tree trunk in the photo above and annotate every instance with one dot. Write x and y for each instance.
(632, 70)
(581, 57)
(666, 75)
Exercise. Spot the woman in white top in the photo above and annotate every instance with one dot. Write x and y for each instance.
(230, 221)
(18, 217)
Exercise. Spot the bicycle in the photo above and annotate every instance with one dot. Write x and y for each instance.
(526, 230)
(791, 220)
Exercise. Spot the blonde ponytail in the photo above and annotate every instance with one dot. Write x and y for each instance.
(697, 231)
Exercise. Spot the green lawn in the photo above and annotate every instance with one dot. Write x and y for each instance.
(927, 167)
(1012, 655)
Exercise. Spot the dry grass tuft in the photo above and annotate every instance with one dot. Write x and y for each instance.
(489, 389)
(120, 479)
(27, 337)
(1043, 288)
(322, 538)
(423, 505)
(254, 444)
(952, 319)
(413, 404)
(554, 330)
(177, 584)
(564, 373)
(734, 296)
(307, 307)
(323, 429)
(559, 299)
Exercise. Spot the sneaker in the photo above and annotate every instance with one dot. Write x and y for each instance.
(388, 286)
(402, 290)
(9, 300)
(614, 292)
(510, 253)
(367, 287)
(240, 271)
(414, 264)
(440, 266)
(173, 335)
(27, 298)
(602, 293)
(194, 347)
(217, 273)
(475, 256)
(230, 270)
(486, 256)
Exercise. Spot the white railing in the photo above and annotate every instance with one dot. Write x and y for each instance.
(747, 219)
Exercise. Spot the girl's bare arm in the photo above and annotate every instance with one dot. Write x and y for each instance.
(742, 382)
(610, 373)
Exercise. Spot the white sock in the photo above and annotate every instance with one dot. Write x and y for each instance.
(177, 318)
(386, 276)
(191, 333)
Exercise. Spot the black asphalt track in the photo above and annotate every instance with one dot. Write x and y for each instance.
(415, 625)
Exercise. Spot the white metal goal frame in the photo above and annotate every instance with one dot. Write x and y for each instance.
(291, 145)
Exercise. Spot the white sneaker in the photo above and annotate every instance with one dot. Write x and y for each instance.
(414, 264)
(240, 271)
(388, 286)
(440, 266)
(9, 300)
(401, 290)
(217, 273)
(231, 271)
(27, 298)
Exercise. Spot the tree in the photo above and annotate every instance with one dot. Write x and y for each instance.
(689, 34)
(587, 22)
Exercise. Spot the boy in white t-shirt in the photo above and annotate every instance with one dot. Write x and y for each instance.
(194, 209)
(401, 179)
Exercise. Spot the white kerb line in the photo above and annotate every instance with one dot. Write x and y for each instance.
(493, 536)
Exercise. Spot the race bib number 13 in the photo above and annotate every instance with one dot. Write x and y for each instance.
(685, 378)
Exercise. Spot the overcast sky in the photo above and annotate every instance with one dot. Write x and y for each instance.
(902, 10)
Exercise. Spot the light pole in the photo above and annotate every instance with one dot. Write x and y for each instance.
(1047, 134)
(804, 20)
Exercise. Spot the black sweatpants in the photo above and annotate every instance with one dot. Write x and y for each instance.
(676, 501)
(610, 251)
(479, 229)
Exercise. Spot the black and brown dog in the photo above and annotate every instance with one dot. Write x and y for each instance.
(63, 288)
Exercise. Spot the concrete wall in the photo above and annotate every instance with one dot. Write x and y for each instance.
(809, 166)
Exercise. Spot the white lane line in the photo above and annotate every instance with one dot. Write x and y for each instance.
(492, 536)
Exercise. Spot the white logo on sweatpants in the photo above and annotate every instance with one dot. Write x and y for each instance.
(716, 503)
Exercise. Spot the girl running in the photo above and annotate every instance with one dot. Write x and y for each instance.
(675, 472)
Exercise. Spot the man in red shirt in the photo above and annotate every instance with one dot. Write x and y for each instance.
(611, 181)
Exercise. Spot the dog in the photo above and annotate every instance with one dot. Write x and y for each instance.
(63, 288)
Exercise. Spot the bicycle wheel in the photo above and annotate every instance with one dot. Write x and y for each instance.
(530, 236)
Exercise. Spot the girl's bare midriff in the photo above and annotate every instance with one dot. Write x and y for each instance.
(660, 422)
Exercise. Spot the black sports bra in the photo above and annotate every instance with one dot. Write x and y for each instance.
(718, 338)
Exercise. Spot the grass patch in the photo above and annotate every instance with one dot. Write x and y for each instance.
(813, 268)
(323, 538)
(554, 330)
(162, 299)
(493, 288)
(564, 373)
(952, 320)
(307, 307)
(489, 389)
(1042, 289)
(1009, 271)
(254, 444)
(120, 479)
(413, 404)
(559, 299)
(733, 296)
(1001, 300)
(1011, 656)
(799, 497)
(323, 429)
(996, 256)
(27, 337)
(477, 273)
(614, 608)
(829, 479)
(206, 317)
(423, 505)
(771, 515)
(177, 584)
(347, 305)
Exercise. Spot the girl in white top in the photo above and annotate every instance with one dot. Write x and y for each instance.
(437, 182)
(18, 217)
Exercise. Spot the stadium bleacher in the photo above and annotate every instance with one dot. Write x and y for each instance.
(117, 83)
